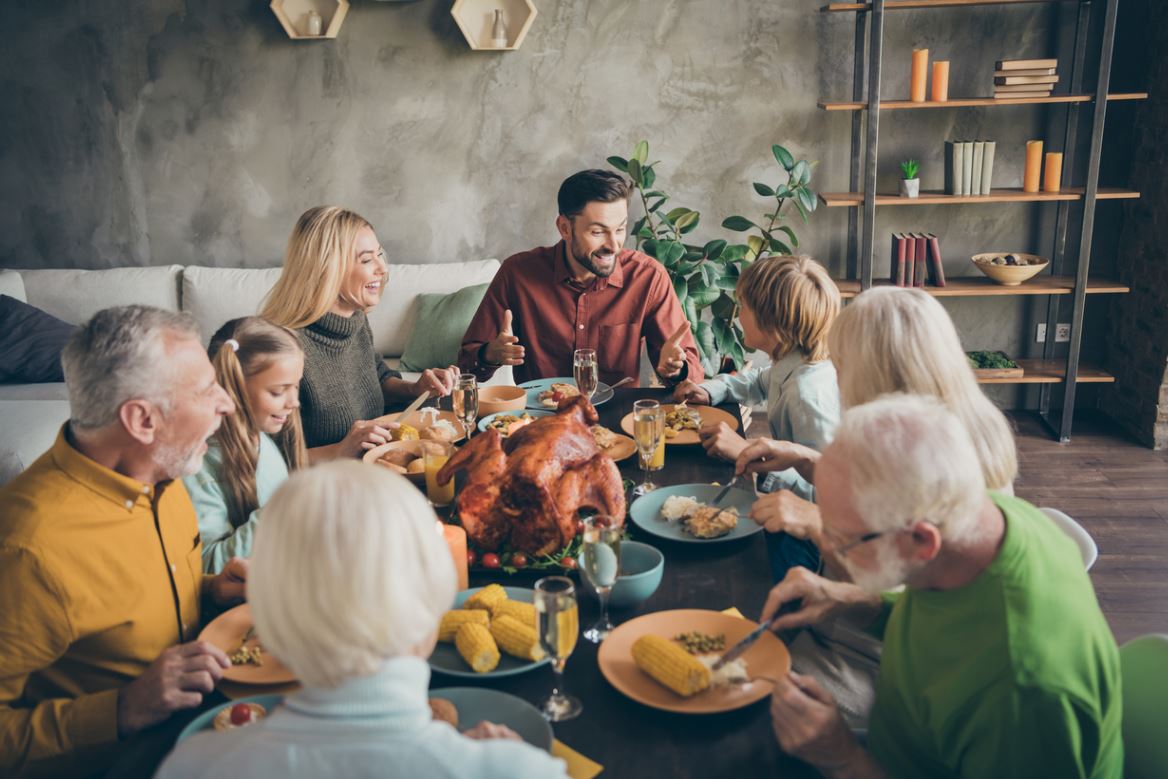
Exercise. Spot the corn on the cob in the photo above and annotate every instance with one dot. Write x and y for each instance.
(486, 598)
(516, 639)
(670, 665)
(477, 647)
(453, 620)
(524, 612)
(406, 433)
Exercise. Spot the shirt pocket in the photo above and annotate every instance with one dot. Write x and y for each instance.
(616, 343)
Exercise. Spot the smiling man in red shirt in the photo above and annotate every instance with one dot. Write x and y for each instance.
(585, 292)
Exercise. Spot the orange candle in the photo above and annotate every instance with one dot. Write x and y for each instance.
(456, 540)
(940, 81)
(1033, 166)
(1053, 176)
(920, 74)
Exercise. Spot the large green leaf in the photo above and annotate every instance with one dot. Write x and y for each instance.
(686, 267)
(802, 210)
(801, 173)
(705, 338)
(714, 248)
(735, 252)
(710, 273)
(783, 157)
(648, 176)
(806, 199)
(671, 252)
(680, 288)
(755, 244)
(738, 224)
(656, 204)
(728, 279)
(635, 172)
(690, 309)
(723, 336)
(693, 254)
(676, 213)
(638, 225)
(738, 352)
(688, 219)
(702, 294)
(778, 247)
(790, 234)
(723, 307)
(620, 163)
(763, 189)
(641, 153)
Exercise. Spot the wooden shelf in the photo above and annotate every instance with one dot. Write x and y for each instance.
(965, 102)
(903, 5)
(293, 16)
(980, 286)
(1052, 372)
(475, 18)
(935, 198)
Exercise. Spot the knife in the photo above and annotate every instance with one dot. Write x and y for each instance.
(722, 492)
(414, 406)
(736, 651)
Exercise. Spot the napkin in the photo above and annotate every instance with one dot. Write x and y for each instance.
(579, 767)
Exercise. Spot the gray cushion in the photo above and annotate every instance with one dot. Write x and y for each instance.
(12, 285)
(30, 427)
(52, 391)
(216, 295)
(76, 295)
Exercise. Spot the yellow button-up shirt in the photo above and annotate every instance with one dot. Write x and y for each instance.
(99, 574)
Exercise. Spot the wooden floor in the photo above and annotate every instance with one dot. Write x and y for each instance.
(1117, 490)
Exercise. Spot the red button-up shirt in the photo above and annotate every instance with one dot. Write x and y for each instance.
(553, 315)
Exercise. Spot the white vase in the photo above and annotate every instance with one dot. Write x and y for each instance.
(910, 187)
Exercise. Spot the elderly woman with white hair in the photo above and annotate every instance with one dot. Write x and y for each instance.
(348, 583)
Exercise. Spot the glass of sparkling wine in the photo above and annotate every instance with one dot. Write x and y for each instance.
(600, 562)
(559, 624)
(649, 434)
(465, 400)
(585, 372)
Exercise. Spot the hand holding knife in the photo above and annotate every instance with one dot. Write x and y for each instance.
(738, 649)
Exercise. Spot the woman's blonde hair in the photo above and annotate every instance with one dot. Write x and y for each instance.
(902, 340)
(348, 570)
(320, 252)
(257, 343)
(793, 299)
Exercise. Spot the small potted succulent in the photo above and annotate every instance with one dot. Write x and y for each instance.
(910, 185)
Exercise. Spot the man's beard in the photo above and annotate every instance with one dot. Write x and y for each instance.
(176, 463)
(891, 571)
(589, 263)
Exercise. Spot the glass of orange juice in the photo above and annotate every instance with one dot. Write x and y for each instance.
(434, 456)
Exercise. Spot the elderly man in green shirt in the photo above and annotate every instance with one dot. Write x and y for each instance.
(997, 661)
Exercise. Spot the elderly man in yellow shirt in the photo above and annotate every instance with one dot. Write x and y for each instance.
(100, 560)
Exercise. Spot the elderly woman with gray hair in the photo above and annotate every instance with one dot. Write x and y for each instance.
(348, 583)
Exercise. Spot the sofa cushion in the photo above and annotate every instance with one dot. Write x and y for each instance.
(436, 336)
(76, 295)
(12, 285)
(52, 391)
(30, 427)
(30, 343)
(216, 295)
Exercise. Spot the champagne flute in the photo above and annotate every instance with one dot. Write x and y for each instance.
(465, 400)
(559, 624)
(649, 434)
(585, 372)
(600, 562)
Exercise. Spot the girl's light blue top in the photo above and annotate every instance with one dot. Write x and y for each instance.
(802, 404)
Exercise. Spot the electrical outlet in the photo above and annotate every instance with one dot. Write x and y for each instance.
(1041, 336)
(1062, 332)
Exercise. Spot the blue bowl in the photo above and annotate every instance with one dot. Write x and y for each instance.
(641, 569)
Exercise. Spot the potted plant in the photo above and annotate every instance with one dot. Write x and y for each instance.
(910, 185)
(704, 276)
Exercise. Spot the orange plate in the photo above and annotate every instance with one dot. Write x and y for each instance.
(422, 421)
(413, 447)
(622, 448)
(227, 631)
(767, 657)
(709, 414)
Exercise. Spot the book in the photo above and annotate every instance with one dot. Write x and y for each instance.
(1026, 72)
(987, 167)
(920, 261)
(967, 167)
(910, 258)
(975, 184)
(1020, 95)
(936, 268)
(1012, 80)
(899, 253)
(1024, 88)
(954, 165)
(1025, 64)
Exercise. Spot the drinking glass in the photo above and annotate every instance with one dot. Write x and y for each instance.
(600, 563)
(649, 433)
(465, 400)
(585, 372)
(559, 624)
(434, 456)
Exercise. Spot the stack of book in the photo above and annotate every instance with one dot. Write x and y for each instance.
(915, 258)
(969, 167)
(1025, 78)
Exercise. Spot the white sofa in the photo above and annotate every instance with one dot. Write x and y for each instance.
(31, 414)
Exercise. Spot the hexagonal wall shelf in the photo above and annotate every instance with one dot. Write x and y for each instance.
(293, 16)
(476, 19)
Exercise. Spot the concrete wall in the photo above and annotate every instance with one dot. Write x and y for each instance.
(174, 132)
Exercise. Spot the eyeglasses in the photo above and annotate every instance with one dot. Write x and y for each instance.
(843, 550)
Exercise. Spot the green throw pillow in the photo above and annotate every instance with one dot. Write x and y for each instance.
(441, 324)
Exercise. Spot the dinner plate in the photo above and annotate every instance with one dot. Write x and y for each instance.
(204, 720)
(422, 419)
(476, 704)
(709, 415)
(646, 512)
(414, 448)
(767, 657)
(603, 392)
(227, 631)
(446, 660)
(531, 412)
(622, 448)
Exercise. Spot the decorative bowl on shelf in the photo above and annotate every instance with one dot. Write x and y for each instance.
(1009, 268)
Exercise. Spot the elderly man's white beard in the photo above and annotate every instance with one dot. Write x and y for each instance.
(891, 570)
(176, 463)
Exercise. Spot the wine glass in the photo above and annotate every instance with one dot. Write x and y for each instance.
(600, 562)
(465, 400)
(649, 434)
(585, 372)
(559, 624)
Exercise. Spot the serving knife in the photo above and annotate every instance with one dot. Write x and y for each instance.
(736, 651)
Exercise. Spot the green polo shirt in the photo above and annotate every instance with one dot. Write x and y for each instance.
(1013, 675)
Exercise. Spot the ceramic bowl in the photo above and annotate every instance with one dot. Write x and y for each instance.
(400, 453)
(495, 399)
(642, 566)
(1009, 275)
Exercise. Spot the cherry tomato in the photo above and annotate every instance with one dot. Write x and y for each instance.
(579, 526)
(519, 560)
(490, 560)
(472, 557)
(240, 714)
(568, 563)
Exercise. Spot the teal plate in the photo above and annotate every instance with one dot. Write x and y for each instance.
(534, 413)
(203, 721)
(476, 704)
(646, 512)
(603, 392)
(446, 660)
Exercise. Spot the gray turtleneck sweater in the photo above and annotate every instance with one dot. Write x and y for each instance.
(342, 377)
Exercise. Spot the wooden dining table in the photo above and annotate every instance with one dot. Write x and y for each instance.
(626, 737)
